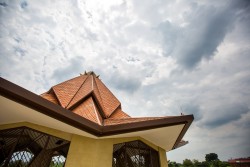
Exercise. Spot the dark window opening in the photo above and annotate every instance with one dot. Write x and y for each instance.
(25, 147)
(134, 154)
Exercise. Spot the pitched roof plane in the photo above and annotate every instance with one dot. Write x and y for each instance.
(65, 91)
(88, 110)
(72, 93)
(85, 89)
(110, 102)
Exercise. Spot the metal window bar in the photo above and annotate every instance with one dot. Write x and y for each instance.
(134, 154)
(26, 147)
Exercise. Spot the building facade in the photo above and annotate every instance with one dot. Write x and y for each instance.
(80, 122)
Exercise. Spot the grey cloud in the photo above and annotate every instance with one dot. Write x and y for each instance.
(192, 109)
(209, 39)
(64, 73)
(206, 30)
(19, 51)
(223, 115)
(125, 83)
(170, 34)
(4, 4)
(90, 35)
(241, 4)
(23, 4)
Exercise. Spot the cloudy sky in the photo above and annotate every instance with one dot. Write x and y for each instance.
(158, 57)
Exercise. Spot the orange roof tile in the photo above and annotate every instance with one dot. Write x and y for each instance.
(88, 110)
(110, 121)
(85, 89)
(65, 91)
(51, 97)
(88, 97)
(118, 114)
(110, 102)
(86, 103)
(75, 94)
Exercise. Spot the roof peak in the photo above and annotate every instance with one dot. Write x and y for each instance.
(90, 73)
(74, 93)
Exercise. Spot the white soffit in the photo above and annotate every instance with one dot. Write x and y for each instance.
(13, 112)
(163, 137)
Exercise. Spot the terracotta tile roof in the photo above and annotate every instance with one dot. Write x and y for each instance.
(65, 91)
(98, 113)
(118, 114)
(110, 121)
(88, 97)
(88, 110)
(51, 97)
(85, 89)
(109, 101)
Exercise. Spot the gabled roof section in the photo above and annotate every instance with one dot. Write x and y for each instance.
(72, 95)
(88, 110)
(65, 91)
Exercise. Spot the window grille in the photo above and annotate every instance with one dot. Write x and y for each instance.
(134, 154)
(25, 147)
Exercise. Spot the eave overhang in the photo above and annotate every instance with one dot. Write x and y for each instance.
(24, 97)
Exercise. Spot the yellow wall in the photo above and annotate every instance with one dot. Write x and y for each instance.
(163, 158)
(88, 152)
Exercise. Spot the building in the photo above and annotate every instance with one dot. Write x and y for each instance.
(80, 122)
(240, 162)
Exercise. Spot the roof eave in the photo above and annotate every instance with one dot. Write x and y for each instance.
(148, 124)
(31, 100)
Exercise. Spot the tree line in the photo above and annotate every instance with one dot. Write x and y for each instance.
(211, 160)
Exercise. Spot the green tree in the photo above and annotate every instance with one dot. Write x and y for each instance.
(204, 164)
(215, 163)
(224, 164)
(196, 163)
(173, 164)
(211, 157)
(187, 163)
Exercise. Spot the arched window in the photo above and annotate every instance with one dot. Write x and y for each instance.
(30, 148)
(134, 154)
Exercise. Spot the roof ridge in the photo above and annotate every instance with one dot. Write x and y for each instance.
(116, 110)
(96, 114)
(101, 102)
(52, 88)
(102, 84)
(100, 109)
(54, 94)
(77, 91)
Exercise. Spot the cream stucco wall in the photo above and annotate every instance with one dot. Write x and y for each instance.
(163, 158)
(89, 152)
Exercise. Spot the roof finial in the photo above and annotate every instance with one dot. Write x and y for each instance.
(90, 73)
